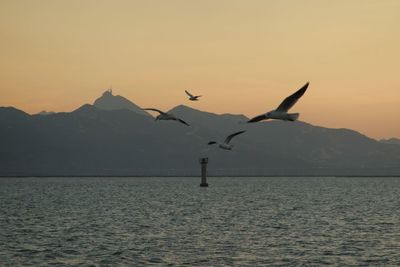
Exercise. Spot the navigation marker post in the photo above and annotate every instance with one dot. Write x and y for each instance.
(203, 162)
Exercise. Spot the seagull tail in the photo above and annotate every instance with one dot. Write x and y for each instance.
(293, 116)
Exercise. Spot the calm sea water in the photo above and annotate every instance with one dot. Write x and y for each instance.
(172, 221)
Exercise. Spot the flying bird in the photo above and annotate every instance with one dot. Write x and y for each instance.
(166, 116)
(192, 97)
(225, 145)
(281, 113)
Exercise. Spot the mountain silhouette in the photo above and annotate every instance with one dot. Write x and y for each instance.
(44, 113)
(92, 141)
(108, 101)
(391, 141)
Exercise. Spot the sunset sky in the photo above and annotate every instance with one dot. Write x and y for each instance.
(243, 56)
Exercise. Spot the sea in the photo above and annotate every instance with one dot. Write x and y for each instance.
(241, 221)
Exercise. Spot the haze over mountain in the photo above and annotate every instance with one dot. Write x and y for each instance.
(114, 137)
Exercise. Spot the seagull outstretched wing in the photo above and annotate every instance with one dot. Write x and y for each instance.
(154, 109)
(229, 138)
(257, 118)
(189, 94)
(182, 121)
(292, 99)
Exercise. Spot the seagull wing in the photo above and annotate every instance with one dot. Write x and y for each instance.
(189, 94)
(229, 138)
(154, 109)
(292, 99)
(258, 118)
(182, 121)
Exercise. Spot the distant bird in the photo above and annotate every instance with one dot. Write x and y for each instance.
(225, 145)
(192, 97)
(281, 113)
(166, 116)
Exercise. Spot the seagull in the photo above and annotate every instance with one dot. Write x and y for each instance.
(281, 113)
(165, 116)
(192, 97)
(226, 144)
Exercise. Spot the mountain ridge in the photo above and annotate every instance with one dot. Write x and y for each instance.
(93, 141)
(108, 101)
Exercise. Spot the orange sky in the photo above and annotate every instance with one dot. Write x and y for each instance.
(243, 56)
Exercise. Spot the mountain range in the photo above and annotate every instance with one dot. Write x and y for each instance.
(114, 137)
(391, 141)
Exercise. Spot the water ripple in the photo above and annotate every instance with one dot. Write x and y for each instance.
(172, 221)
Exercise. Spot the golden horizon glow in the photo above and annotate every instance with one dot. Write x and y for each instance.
(243, 56)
